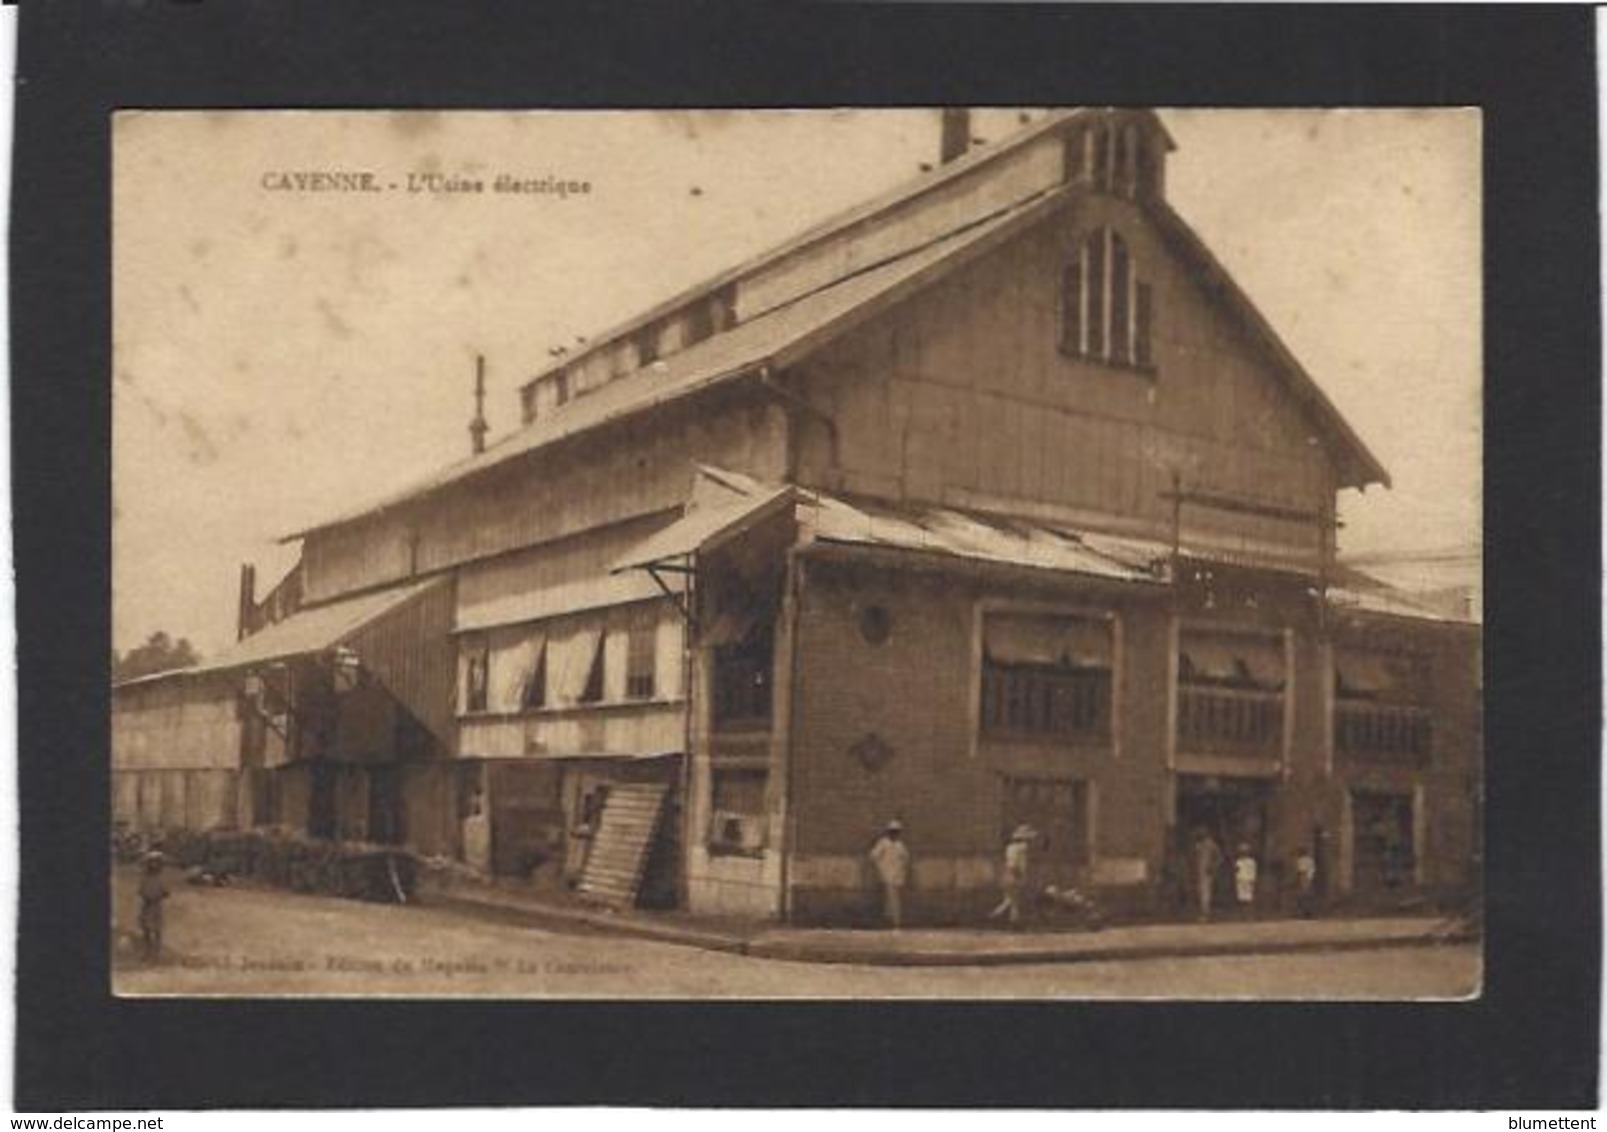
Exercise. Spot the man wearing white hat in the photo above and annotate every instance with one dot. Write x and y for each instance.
(1017, 863)
(890, 857)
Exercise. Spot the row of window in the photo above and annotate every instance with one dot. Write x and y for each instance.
(1051, 678)
(534, 667)
(1113, 157)
(1107, 313)
(708, 315)
(1042, 677)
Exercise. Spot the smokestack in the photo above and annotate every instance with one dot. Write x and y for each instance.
(247, 613)
(956, 133)
(477, 427)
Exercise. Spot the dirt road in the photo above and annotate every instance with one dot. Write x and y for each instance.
(250, 942)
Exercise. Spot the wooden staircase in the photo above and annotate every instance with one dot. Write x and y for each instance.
(619, 852)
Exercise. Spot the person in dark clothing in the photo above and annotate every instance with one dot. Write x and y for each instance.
(1306, 883)
(1205, 859)
(152, 892)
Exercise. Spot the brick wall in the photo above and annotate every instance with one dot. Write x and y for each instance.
(889, 730)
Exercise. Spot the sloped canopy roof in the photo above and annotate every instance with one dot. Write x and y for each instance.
(960, 535)
(306, 631)
(705, 527)
(934, 530)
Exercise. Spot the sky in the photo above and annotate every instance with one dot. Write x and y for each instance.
(279, 357)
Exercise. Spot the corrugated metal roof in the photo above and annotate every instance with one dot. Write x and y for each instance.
(1390, 602)
(850, 217)
(602, 756)
(309, 630)
(776, 337)
(772, 338)
(937, 530)
(704, 527)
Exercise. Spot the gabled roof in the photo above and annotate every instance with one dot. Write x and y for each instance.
(774, 339)
(1358, 467)
(841, 222)
(777, 337)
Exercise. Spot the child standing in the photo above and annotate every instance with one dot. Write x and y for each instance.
(152, 892)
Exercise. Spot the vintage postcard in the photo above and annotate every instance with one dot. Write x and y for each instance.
(943, 553)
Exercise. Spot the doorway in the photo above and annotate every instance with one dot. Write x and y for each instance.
(1057, 808)
(1234, 811)
(386, 812)
(1384, 856)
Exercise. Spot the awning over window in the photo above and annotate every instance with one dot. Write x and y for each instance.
(515, 656)
(1374, 675)
(580, 755)
(704, 528)
(1230, 659)
(1206, 660)
(570, 657)
(1036, 639)
(1263, 660)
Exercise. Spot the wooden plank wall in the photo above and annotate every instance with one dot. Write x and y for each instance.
(1032, 169)
(913, 222)
(616, 474)
(412, 653)
(179, 723)
(961, 396)
(174, 799)
(651, 728)
(561, 577)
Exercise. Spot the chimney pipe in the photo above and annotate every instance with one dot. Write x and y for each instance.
(246, 615)
(478, 427)
(956, 133)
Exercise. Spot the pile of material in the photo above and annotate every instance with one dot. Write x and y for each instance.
(290, 860)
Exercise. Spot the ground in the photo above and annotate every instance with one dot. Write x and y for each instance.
(254, 941)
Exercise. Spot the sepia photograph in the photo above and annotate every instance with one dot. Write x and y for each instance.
(952, 553)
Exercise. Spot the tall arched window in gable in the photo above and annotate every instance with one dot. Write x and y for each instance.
(1071, 308)
(1097, 291)
(1143, 315)
(1121, 312)
(1107, 312)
